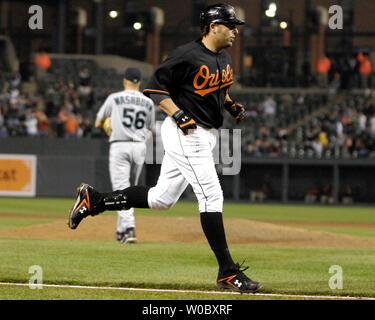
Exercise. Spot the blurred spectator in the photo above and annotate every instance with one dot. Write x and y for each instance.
(323, 67)
(2, 120)
(348, 148)
(84, 87)
(14, 95)
(323, 139)
(61, 118)
(354, 73)
(4, 94)
(43, 123)
(71, 125)
(250, 149)
(312, 194)
(265, 147)
(275, 148)
(372, 126)
(252, 110)
(301, 99)
(282, 133)
(347, 196)
(31, 123)
(264, 132)
(12, 121)
(260, 194)
(335, 84)
(317, 147)
(327, 194)
(86, 128)
(287, 100)
(361, 146)
(15, 80)
(269, 107)
(258, 147)
(42, 63)
(4, 131)
(364, 69)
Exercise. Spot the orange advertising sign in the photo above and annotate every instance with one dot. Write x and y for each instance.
(17, 175)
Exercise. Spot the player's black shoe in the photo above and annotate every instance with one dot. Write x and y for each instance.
(85, 205)
(237, 281)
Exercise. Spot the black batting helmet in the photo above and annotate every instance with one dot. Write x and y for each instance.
(219, 13)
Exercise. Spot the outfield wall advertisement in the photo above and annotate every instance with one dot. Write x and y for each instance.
(18, 175)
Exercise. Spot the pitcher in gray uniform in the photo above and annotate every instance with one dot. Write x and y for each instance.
(132, 117)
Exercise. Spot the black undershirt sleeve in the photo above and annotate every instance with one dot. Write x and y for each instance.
(157, 98)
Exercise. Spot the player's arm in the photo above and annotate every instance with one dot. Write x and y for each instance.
(168, 73)
(99, 123)
(166, 104)
(236, 110)
(103, 117)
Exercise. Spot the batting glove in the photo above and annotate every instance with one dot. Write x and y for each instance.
(184, 122)
(236, 110)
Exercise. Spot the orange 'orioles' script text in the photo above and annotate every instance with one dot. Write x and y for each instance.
(206, 82)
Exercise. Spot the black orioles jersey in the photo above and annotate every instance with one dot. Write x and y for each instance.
(197, 80)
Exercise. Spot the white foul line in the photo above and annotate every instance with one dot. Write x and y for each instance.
(189, 291)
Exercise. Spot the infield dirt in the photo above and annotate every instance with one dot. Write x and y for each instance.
(188, 229)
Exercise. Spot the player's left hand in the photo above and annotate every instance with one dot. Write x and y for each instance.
(184, 122)
(237, 110)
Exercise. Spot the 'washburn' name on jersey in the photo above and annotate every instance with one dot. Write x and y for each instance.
(133, 100)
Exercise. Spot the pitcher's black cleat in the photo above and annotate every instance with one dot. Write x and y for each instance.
(84, 205)
(237, 281)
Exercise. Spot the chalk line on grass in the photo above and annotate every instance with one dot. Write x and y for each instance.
(190, 291)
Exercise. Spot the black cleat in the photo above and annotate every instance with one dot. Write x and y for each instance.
(83, 207)
(237, 281)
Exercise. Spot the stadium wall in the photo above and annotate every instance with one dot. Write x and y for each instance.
(64, 163)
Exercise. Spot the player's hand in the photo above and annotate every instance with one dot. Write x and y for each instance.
(237, 110)
(184, 122)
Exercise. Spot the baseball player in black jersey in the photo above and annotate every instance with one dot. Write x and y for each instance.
(191, 86)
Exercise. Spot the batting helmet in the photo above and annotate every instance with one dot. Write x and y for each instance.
(219, 13)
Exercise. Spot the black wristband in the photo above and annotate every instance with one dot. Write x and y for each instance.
(178, 115)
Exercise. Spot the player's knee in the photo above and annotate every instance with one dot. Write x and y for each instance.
(161, 205)
(160, 199)
(212, 203)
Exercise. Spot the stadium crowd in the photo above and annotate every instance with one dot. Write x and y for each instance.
(61, 110)
(66, 109)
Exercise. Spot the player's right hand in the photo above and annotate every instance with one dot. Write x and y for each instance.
(184, 122)
(237, 110)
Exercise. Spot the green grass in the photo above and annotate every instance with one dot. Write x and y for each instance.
(184, 266)
(282, 270)
(47, 293)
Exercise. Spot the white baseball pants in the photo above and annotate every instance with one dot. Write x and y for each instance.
(187, 160)
(125, 165)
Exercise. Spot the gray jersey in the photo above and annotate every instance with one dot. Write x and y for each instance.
(132, 115)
